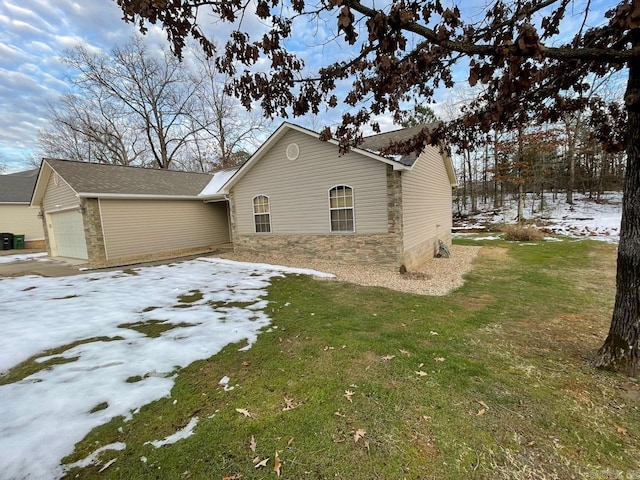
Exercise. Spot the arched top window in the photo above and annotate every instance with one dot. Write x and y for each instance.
(261, 214)
(341, 209)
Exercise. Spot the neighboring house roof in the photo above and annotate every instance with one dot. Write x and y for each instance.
(18, 187)
(95, 180)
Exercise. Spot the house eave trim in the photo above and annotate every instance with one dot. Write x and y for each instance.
(133, 196)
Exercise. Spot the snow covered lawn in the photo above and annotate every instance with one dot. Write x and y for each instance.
(113, 365)
(584, 219)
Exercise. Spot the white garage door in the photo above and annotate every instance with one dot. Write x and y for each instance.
(69, 234)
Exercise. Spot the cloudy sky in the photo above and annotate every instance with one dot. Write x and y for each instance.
(35, 33)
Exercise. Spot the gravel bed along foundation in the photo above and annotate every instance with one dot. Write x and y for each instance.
(436, 277)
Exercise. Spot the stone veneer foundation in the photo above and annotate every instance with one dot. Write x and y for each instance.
(381, 249)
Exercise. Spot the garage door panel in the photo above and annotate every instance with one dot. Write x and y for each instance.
(68, 231)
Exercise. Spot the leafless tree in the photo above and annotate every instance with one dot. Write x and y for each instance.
(143, 106)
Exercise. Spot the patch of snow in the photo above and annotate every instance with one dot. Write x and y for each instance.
(93, 457)
(186, 432)
(21, 257)
(586, 218)
(217, 181)
(92, 316)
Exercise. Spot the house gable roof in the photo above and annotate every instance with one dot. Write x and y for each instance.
(279, 133)
(95, 180)
(18, 187)
(377, 143)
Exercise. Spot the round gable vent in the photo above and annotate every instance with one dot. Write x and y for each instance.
(293, 151)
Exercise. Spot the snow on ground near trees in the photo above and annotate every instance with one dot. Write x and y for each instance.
(586, 218)
(44, 415)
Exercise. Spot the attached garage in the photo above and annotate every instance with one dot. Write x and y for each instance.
(142, 227)
(67, 230)
(108, 213)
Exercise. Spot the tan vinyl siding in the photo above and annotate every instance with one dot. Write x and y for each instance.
(21, 220)
(298, 189)
(60, 196)
(426, 204)
(140, 227)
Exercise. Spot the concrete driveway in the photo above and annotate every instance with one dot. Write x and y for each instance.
(41, 265)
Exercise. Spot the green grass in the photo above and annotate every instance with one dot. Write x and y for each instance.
(489, 382)
(31, 366)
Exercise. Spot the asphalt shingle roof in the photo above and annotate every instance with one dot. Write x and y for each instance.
(17, 187)
(115, 179)
(377, 143)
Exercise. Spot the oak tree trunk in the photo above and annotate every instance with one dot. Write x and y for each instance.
(620, 349)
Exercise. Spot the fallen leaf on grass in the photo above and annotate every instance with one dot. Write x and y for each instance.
(246, 363)
(620, 430)
(232, 477)
(404, 352)
(439, 359)
(253, 444)
(108, 464)
(276, 465)
(288, 404)
(338, 414)
(290, 442)
(387, 357)
(348, 394)
(433, 333)
(244, 412)
(360, 433)
(421, 373)
(261, 464)
(481, 412)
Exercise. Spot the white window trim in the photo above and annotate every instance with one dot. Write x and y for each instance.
(353, 208)
(253, 207)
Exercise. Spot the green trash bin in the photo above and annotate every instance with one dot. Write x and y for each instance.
(18, 242)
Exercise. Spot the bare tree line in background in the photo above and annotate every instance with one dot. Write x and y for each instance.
(142, 106)
(544, 159)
